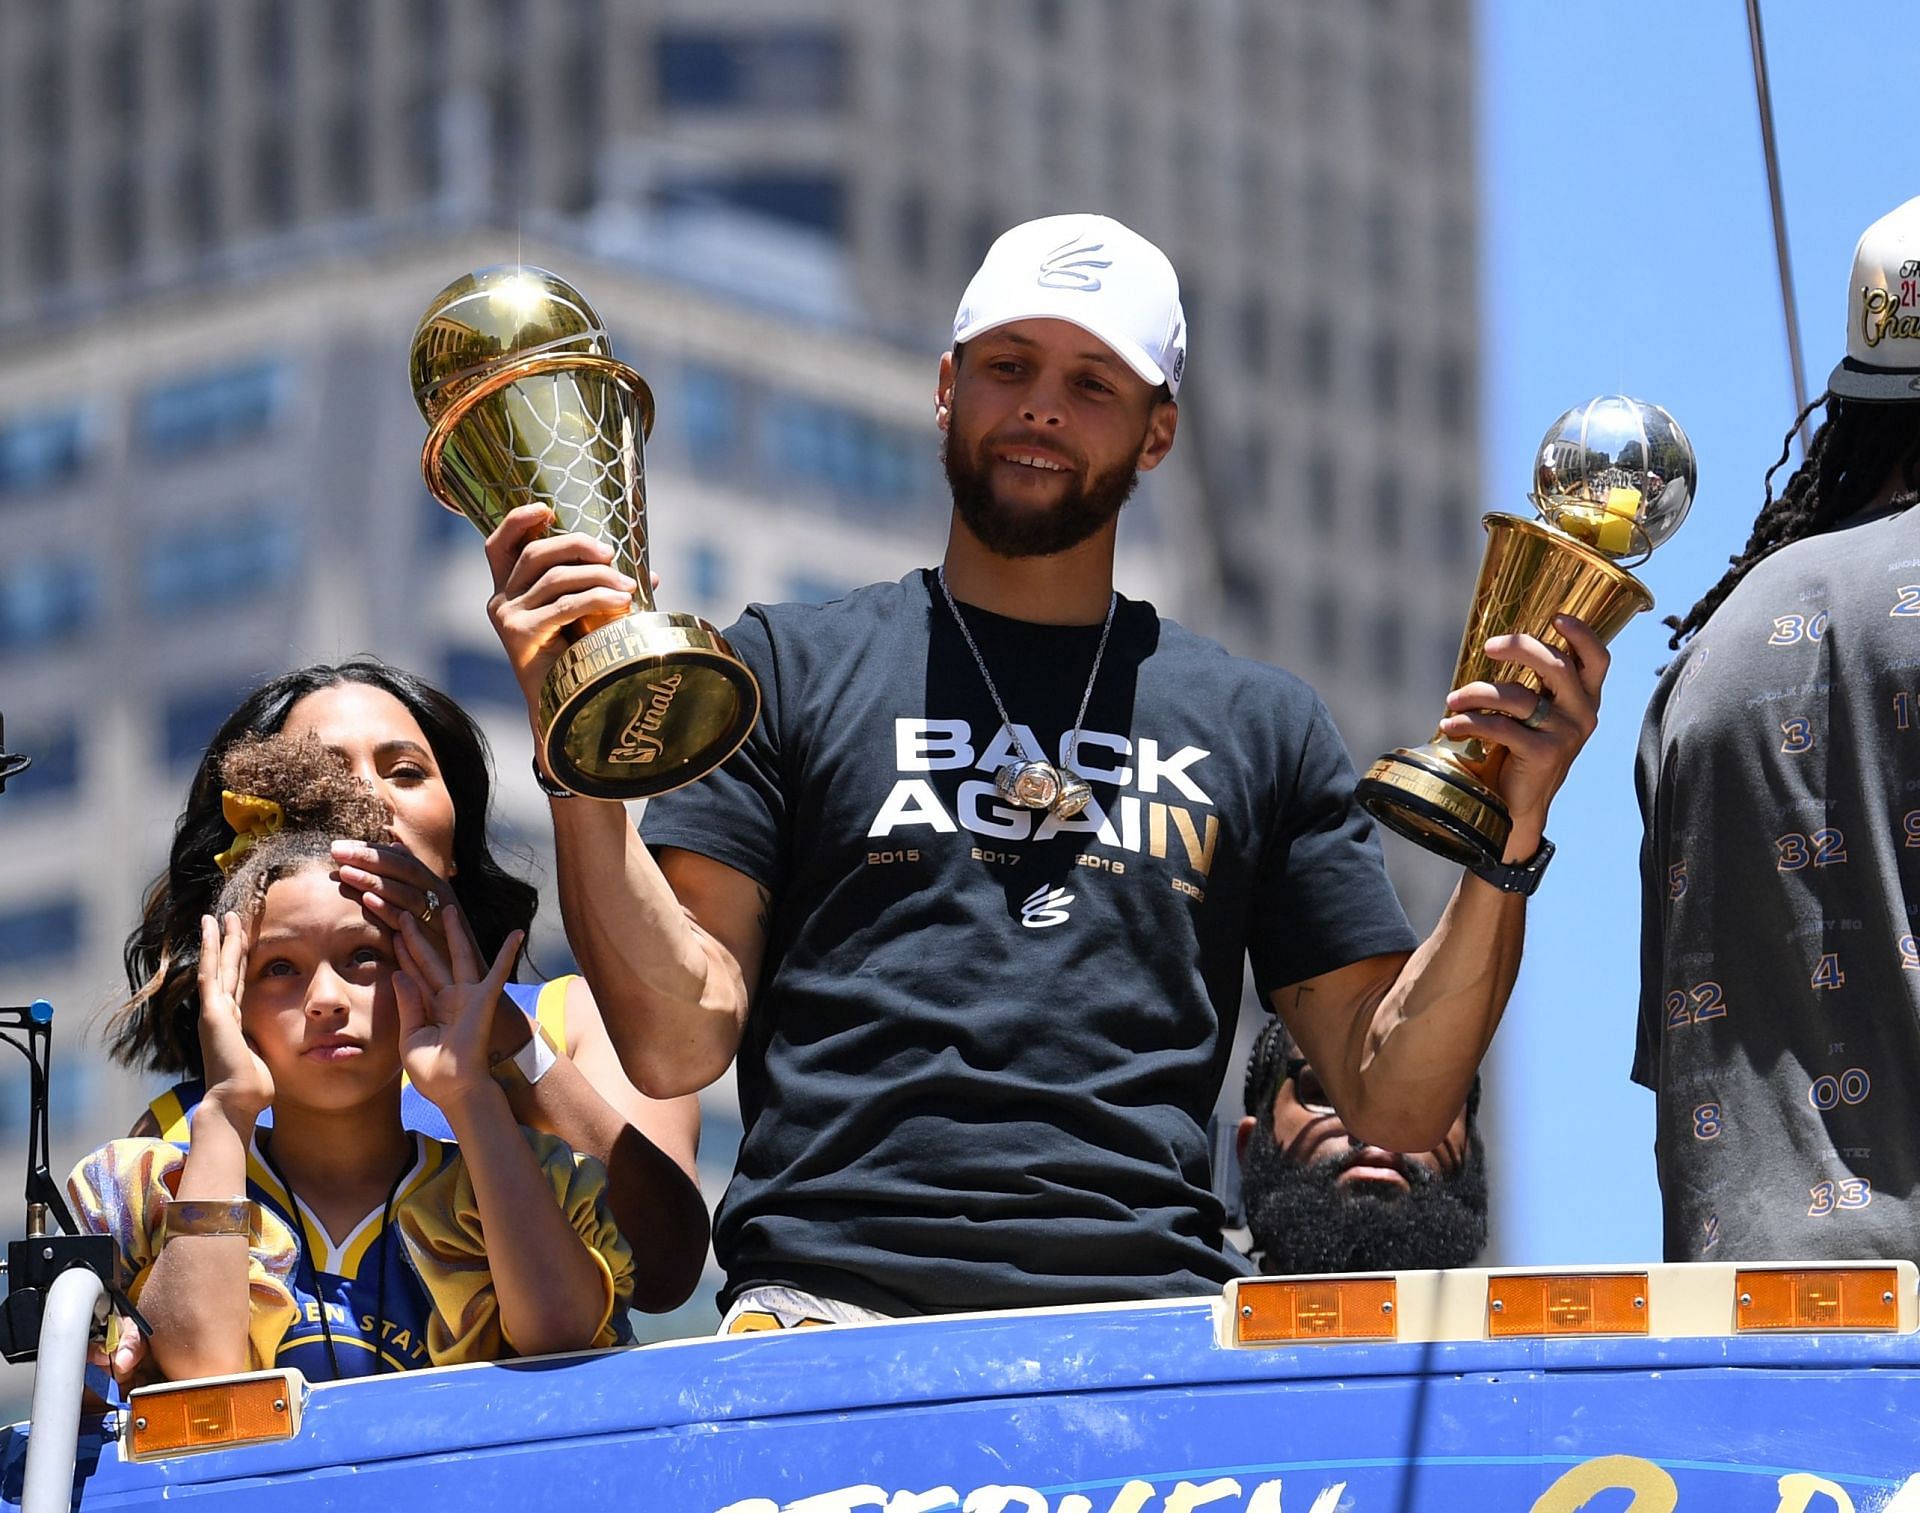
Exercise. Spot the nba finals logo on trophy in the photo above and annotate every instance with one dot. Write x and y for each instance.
(515, 375)
(1613, 479)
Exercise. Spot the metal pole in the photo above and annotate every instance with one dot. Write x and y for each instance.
(1763, 95)
(53, 1437)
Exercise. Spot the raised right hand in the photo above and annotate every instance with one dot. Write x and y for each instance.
(541, 585)
(237, 1079)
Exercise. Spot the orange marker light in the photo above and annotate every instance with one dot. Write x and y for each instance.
(1601, 1303)
(177, 1418)
(1840, 1297)
(1276, 1310)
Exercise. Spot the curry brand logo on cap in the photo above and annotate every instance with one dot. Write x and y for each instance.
(1069, 265)
(1093, 272)
(1883, 312)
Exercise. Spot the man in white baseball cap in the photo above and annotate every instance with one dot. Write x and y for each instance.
(1780, 981)
(972, 905)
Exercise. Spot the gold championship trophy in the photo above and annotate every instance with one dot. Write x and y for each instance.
(514, 373)
(1613, 479)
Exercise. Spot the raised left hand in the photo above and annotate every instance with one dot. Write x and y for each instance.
(446, 1009)
(1539, 753)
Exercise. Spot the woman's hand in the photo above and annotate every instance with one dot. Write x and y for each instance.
(447, 1008)
(238, 1082)
(390, 883)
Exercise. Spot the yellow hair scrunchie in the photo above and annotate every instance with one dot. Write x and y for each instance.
(253, 819)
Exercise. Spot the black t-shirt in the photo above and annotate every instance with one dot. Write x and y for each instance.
(985, 1042)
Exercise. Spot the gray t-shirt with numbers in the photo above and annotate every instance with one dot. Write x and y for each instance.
(1779, 783)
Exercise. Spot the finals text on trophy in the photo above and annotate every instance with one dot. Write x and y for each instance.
(1613, 479)
(515, 375)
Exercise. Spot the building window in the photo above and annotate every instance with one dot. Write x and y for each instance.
(40, 452)
(1253, 332)
(45, 602)
(1452, 392)
(39, 933)
(54, 746)
(46, 235)
(506, 137)
(349, 32)
(1255, 463)
(273, 176)
(119, 64)
(214, 563)
(212, 409)
(189, 720)
(912, 233)
(1456, 528)
(1323, 488)
(119, 216)
(1389, 512)
(714, 408)
(849, 458)
(1316, 356)
(707, 575)
(70, 1094)
(1389, 647)
(1383, 371)
(1323, 628)
(791, 69)
(193, 192)
(273, 48)
(481, 677)
(347, 157)
(814, 200)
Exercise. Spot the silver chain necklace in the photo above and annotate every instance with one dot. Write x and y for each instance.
(1033, 782)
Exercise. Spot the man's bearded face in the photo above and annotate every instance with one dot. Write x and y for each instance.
(1010, 528)
(1301, 1221)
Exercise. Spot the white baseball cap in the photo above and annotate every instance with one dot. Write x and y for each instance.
(1089, 270)
(1883, 312)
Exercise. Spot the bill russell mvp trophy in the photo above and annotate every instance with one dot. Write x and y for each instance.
(1613, 479)
(516, 377)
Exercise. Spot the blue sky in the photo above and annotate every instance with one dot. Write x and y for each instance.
(1627, 246)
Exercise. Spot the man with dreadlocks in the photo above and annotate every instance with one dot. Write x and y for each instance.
(1779, 782)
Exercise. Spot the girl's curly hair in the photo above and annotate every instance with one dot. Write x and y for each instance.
(157, 1027)
(320, 799)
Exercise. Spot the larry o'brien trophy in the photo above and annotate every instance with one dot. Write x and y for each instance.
(1613, 479)
(515, 375)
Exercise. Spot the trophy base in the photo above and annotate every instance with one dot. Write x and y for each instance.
(643, 705)
(1426, 794)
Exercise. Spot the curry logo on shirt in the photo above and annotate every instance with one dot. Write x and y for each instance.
(1162, 811)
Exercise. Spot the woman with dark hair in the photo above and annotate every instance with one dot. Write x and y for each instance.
(1780, 870)
(335, 1239)
(425, 757)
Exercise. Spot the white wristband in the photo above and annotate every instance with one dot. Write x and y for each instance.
(536, 1058)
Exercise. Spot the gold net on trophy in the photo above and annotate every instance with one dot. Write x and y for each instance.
(1612, 478)
(526, 404)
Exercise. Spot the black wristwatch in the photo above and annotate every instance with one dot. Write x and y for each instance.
(547, 785)
(1518, 877)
